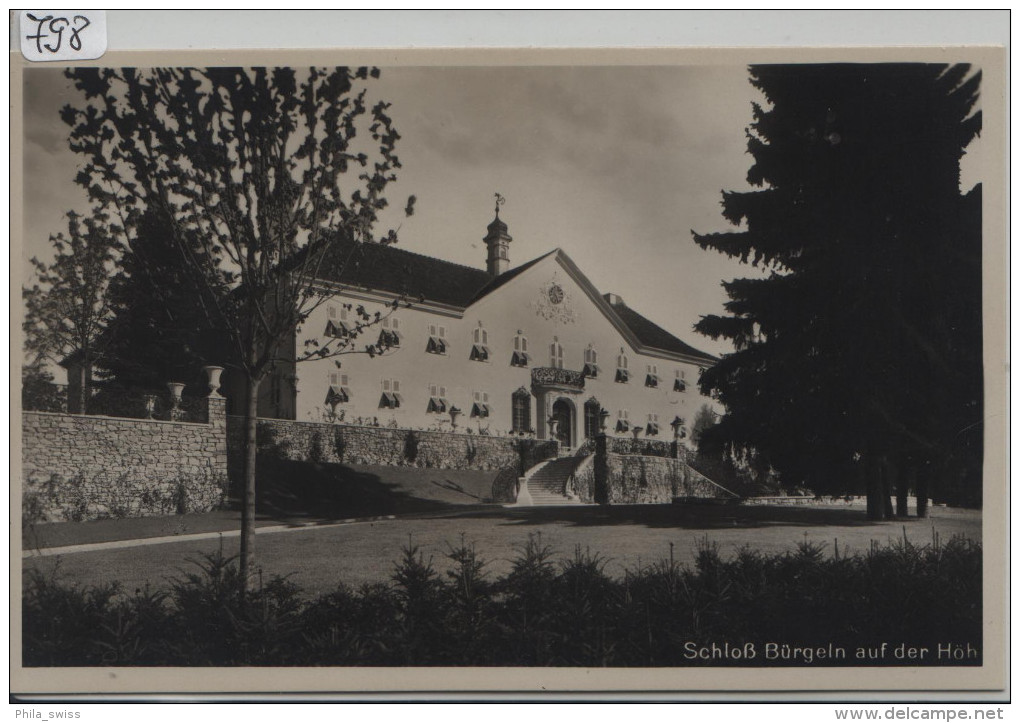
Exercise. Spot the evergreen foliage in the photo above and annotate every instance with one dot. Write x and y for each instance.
(858, 355)
(545, 612)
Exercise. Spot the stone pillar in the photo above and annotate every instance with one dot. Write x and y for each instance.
(216, 417)
(601, 467)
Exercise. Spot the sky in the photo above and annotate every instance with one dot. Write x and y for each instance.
(614, 165)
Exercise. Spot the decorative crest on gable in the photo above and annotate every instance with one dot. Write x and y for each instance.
(554, 303)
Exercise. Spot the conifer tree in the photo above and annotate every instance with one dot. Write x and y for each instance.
(844, 349)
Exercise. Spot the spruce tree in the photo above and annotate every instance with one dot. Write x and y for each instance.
(871, 303)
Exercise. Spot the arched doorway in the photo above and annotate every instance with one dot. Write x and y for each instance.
(562, 413)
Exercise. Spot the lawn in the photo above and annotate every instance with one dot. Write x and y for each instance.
(318, 558)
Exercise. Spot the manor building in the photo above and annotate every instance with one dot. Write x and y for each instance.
(531, 349)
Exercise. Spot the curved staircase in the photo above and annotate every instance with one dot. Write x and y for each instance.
(547, 485)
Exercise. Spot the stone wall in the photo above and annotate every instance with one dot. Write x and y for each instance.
(644, 479)
(343, 443)
(646, 447)
(353, 444)
(78, 467)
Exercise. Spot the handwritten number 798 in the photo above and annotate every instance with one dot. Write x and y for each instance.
(56, 28)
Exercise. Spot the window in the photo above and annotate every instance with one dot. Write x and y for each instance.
(338, 324)
(652, 375)
(481, 408)
(622, 372)
(592, 417)
(480, 348)
(680, 383)
(389, 336)
(521, 411)
(653, 425)
(437, 400)
(339, 392)
(622, 421)
(437, 343)
(520, 356)
(391, 398)
(591, 365)
(556, 354)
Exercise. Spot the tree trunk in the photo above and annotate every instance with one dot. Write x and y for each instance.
(888, 479)
(906, 482)
(921, 489)
(83, 387)
(876, 511)
(248, 500)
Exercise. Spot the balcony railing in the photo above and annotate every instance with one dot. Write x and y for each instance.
(543, 376)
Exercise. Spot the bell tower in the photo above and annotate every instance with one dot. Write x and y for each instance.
(497, 240)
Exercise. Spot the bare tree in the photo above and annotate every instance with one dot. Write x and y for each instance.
(265, 175)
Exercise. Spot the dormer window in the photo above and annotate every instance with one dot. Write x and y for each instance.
(622, 371)
(652, 376)
(389, 336)
(520, 357)
(480, 348)
(481, 408)
(339, 392)
(437, 343)
(680, 383)
(591, 365)
(437, 400)
(391, 398)
(652, 428)
(556, 354)
(623, 421)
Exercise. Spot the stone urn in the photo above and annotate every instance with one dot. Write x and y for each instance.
(150, 405)
(176, 389)
(636, 431)
(603, 417)
(554, 427)
(213, 375)
(453, 416)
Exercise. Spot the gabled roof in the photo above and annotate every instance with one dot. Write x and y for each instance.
(652, 335)
(391, 269)
(507, 276)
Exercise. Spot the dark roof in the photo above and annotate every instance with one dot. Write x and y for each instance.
(384, 267)
(416, 276)
(507, 276)
(652, 335)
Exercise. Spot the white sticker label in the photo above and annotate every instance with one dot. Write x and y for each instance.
(63, 34)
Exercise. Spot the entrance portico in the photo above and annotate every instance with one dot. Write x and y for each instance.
(556, 391)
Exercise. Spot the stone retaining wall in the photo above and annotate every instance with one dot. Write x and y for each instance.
(616, 478)
(343, 443)
(353, 444)
(78, 467)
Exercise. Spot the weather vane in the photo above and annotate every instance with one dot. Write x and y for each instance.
(499, 201)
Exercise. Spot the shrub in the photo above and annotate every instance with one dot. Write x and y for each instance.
(542, 613)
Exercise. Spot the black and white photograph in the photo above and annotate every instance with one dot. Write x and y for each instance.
(670, 367)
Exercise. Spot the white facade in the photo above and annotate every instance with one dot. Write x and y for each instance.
(546, 316)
